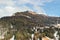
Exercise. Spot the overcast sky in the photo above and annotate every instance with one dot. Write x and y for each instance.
(48, 7)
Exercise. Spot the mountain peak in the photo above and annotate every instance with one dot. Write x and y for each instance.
(31, 12)
(25, 12)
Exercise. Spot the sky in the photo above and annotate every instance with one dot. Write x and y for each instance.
(47, 7)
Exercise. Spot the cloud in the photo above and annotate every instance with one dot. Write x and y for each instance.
(12, 6)
(8, 10)
(34, 2)
(39, 10)
(7, 2)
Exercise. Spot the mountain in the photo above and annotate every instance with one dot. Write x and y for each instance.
(21, 23)
(30, 18)
(39, 18)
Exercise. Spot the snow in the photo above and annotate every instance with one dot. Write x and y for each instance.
(56, 36)
(12, 37)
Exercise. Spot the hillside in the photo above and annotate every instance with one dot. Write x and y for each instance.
(24, 21)
(39, 18)
(30, 18)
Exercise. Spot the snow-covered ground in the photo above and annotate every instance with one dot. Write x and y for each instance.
(32, 36)
(56, 35)
(2, 35)
(12, 37)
